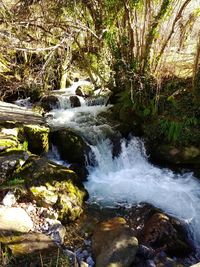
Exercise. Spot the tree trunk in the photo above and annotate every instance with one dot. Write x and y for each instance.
(196, 72)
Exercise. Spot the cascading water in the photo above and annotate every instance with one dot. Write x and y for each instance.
(129, 178)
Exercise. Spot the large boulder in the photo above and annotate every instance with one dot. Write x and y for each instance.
(181, 156)
(166, 233)
(49, 102)
(15, 219)
(53, 185)
(71, 146)
(37, 138)
(114, 244)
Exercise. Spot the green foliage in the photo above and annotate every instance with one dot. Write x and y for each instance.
(171, 129)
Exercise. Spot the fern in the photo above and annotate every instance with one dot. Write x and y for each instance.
(170, 128)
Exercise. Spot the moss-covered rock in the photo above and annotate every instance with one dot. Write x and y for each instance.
(71, 146)
(182, 156)
(37, 138)
(53, 185)
(31, 249)
(8, 139)
(86, 90)
(10, 161)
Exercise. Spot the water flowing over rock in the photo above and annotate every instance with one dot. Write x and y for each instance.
(128, 177)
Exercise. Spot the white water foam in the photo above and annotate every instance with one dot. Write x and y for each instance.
(83, 120)
(130, 178)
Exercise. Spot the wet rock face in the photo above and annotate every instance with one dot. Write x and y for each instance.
(71, 146)
(75, 102)
(163, 232)
(49, 102)
(52, 185)
(114, 243)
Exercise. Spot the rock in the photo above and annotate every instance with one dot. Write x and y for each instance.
(8, 139)
(168, 234)
(15, 219)
(75, 102)
(53, 185)
(33, 248)
(71, 146)
(57, 232)
(79, 92)
(9, 200)
(85, 90)
(49, 102)
(196, 265)
(81, 171)
(114, 243)
(37, 138)
(189, 156)
(83, 264)
(9, 161)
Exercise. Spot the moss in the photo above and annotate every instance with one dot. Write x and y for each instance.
(32, 249)
(8, 139)
(37, 138)
(53, 185)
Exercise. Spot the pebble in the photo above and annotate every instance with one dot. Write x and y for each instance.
(9, 200)
(150, 263)
(83, 264)
(90, 261)
(87, 242)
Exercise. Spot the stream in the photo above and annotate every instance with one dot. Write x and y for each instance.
(129, 178)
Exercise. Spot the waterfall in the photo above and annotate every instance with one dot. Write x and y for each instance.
(130, 178)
